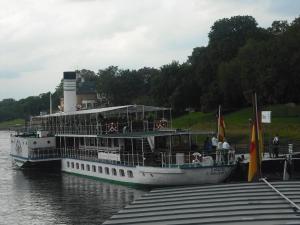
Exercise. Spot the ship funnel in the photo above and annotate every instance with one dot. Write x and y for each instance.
(69, 91)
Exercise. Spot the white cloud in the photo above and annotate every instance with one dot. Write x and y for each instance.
(41, 39)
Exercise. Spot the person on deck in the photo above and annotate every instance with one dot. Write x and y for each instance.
(225, 145)
(207, 145)
(276, 146)
(225, 150)
(214, 143)
(219, 153)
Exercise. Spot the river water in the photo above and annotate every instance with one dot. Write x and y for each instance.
(39, 197)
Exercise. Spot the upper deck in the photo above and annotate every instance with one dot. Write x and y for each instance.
(106, 121)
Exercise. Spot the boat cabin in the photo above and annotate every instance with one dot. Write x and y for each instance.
(131, 135)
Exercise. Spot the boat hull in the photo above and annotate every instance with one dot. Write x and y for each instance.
(19, 162)
(149, 176)
(24, 163)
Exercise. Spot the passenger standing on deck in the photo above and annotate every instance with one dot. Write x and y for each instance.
(219, 153)
(207, 145)
(225, 145)
(225, 148)
(276, 146)
(214, 143)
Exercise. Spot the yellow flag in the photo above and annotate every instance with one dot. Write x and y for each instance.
(252, 171)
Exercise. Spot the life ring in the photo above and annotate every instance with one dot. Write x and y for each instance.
(112, 127)
(157, 125)
(196, 159)
(161, 124)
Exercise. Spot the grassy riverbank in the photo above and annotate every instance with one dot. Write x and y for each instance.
(285, 122)
(6, 125)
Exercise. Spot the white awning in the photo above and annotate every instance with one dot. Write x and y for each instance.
(110, 110)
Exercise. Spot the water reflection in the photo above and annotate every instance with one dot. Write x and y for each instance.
(40, 197)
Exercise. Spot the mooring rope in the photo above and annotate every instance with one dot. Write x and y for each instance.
(295, 206)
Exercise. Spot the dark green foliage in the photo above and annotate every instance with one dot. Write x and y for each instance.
(227, 35)
(240, 57)
(126, 86)
(270, 67)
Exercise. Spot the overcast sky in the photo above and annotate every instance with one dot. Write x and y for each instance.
(39, 39)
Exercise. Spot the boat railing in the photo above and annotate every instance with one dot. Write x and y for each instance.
(196, 159)
(26, 131)
(44, 153)
(109, 149)
(158, 159)
(109, 127)
(119, 159)
(283, 147)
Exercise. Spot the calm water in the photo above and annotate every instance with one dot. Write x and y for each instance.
(33, 197)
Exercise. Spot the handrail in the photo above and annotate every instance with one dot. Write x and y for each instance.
(104, 127)
(146, 159)
(282, 195)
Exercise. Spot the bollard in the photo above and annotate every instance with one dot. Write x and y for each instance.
(290, 147)
(288, 163)
(286, 175)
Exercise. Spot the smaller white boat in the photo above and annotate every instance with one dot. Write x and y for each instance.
(33, 149)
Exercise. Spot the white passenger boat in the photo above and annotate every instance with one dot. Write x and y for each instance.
(133, 144)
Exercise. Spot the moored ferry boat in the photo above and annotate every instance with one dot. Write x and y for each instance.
(33, 148)
(132, 144)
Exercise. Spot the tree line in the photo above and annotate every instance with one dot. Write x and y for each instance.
(240, 57)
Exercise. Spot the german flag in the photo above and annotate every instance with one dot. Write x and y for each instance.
(252, 171)
(256, 144)
(221, 126)
(260, 137)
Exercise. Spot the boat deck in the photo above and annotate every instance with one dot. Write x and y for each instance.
(243, 203)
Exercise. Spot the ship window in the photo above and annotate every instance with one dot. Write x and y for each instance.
(92, 142)
(48, 142)
(68, 164)
(116, 142)
(94, 168)
(77, 166)
(122, 173)
(34, 142)
(99, 169)
(88, 167)
(102, 142)
(106, 170)
(114, 171)
(82, 166)
(129, 173)
(72, 165)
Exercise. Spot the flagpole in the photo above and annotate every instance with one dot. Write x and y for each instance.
(256, 126)
(50, 110)
(219, 122)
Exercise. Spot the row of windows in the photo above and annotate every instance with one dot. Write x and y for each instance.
(100, 169)
(101, 142)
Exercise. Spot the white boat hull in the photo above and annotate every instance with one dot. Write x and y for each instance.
(18, 162)
(152, 176)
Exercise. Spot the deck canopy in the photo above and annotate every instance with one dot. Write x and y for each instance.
(116, 110)
(129, 118)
